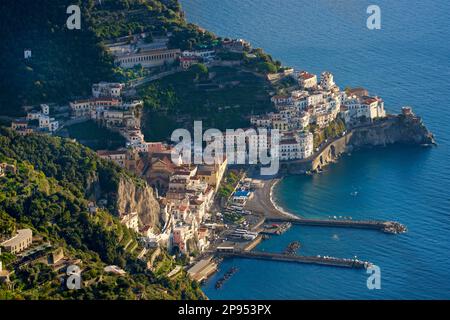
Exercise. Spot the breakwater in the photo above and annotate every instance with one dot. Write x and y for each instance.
(319, 260)
(385, 226)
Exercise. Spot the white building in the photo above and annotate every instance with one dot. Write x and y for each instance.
(327, 81)
(45, 109)
(281, 100)
(106, 89)
(357, 108)
(294, 146)
(18, 242)
(303, 120)
(147, 58)
(33, 115)
(131, 221)
(44, 122)
(54, 125)
(263, 121)
(86, 107)
(307, 80)
(117, 156)
(315, 98)
(204, 54)
(288, 149)
(306, 145)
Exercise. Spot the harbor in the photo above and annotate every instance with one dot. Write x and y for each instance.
(262, 203)
(263, 219)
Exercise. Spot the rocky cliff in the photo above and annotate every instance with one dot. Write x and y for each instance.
(140, 198)
(394, 129)
(398, 129)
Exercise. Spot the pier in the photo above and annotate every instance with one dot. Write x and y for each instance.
(262, 204)
(384, 226)
(319, 260)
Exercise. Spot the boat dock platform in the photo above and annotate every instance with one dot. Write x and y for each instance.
(275, 229)
(319, 260)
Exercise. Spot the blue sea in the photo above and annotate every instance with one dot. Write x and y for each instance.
(407, 62)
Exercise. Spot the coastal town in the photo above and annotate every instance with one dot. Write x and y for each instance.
(197, 222)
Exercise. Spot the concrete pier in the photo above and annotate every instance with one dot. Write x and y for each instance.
(385, 226)
(319, 260)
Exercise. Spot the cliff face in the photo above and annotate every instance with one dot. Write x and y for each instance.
(133, 197)
(400, 129)
(395, 129)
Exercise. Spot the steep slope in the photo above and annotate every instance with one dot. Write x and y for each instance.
(80, 170)
(63, 62)
(52, 204)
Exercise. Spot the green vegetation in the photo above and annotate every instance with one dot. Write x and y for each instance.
(64, 62)
(231, 56)
(233, 217)
(7, 225)
(335, 129)
(188, 36)
(76, 167)
(263, 63)
(223, 98)
(91, 134)
(56, 178)
(49, 194)
(228, 183)
(125, 75)
(113, 19)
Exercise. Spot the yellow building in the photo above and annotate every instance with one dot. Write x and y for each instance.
(212, 174)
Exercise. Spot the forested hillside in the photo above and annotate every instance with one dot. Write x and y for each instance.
(64, 63)
(48, 193)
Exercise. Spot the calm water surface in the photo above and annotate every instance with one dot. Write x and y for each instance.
(407, 63)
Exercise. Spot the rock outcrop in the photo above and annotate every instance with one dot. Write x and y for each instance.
(394, 129)
(138, 197)
(398, 129)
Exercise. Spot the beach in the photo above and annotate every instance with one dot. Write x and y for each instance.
(263, 203)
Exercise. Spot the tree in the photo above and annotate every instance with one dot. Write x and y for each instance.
(267, 67)
(199, 70)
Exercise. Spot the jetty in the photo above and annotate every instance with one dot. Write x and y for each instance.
(261, 203)
(384, 226)
(318, 260)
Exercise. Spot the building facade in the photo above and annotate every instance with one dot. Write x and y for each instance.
(22, 240)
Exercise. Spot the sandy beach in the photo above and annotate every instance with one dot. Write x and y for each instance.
(263, 203)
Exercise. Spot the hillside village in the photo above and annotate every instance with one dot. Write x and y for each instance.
(186, 193)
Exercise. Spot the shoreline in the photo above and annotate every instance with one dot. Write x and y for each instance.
(263, 201)
(273, 183)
